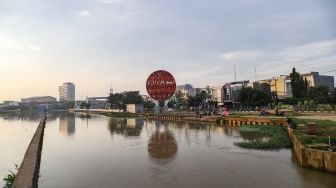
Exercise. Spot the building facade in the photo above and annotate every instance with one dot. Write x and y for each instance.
(315, 80)
(218, 94)
(231, 90)
(67, 92)
(186, 90)
(277, 85)
(39, 99)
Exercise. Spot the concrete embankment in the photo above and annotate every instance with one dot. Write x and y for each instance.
(28, 173)
(312, 158)
(227, 120)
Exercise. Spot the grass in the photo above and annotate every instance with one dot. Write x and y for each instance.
(9, 178)
(277, 137)
(324, 129)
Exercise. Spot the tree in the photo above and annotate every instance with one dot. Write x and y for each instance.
(149, 104)
(318, 94)
(298, 84)
(128, 97)
(198, 99)
(131, 97)
(255, 97)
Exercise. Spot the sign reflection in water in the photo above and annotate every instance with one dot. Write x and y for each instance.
(162, 143)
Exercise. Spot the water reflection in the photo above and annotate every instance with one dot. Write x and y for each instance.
(125, 127)
(67, 125)
(162, 143)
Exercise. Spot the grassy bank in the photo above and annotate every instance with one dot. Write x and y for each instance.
(264, 137)
(324, 129)
(9, 178)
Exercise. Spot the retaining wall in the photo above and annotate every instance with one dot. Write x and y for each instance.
(28, 173)
(307, 157)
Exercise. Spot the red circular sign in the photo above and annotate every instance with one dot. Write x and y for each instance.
(161, 85)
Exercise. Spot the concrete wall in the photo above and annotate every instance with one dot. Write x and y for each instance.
(323, 160)
(27, 176)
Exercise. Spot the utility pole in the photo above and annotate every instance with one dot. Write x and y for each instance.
(235, 73)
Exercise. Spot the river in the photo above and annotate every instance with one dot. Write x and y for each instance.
(96, 151)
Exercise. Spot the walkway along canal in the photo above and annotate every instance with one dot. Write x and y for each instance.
(28, 173)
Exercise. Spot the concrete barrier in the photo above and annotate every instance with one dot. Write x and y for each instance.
(28, 173)
(312, 158)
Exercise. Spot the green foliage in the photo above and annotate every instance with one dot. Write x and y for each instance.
(127, 97)
(131, 97)
(298, 84)
(9, 178)
(85, 105)
(251, 96)
(197, 99)
(319, 94)
(290, 101)
(149, 104)
(278, 137)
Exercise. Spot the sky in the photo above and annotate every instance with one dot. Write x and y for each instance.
(99, 44)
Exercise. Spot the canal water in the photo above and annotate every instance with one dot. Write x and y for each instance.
(95, 151)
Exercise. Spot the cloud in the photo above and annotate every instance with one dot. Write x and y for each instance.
(314, 56)
(17, 43)
(309, 52)
(241, 55)
(85, 13)
(111, 2)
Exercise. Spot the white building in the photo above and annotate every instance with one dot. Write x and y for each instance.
(218, 94)
(67, 92)
(135, 108)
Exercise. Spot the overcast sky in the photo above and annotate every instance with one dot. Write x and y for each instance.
(97, 44)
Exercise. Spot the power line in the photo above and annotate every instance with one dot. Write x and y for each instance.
(329, 71)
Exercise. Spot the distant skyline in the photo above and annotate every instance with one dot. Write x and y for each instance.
(98, 44)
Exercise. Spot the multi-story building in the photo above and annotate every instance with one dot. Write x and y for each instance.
(39, 99)
(315, 79)
(262, 85)
(218, 94)
(67, 92)
(279, 85)
(184, 91)
(231, 90)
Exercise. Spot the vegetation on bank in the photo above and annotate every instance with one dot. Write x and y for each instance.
(264, 137)
(9, 178)
(323, 130)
